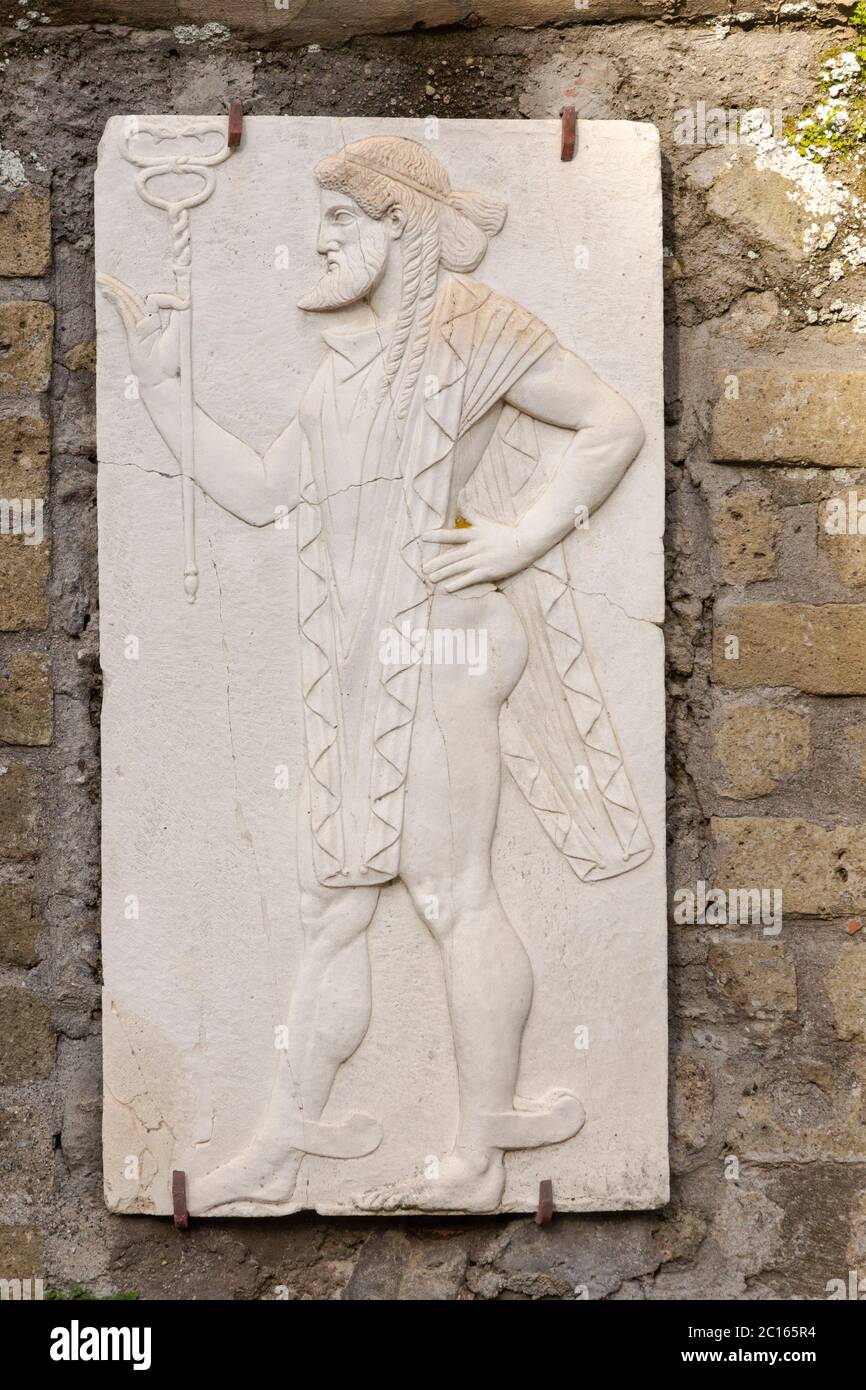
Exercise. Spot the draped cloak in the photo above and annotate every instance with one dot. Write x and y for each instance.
(360, 578)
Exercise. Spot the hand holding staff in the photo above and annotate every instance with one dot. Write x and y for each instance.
(141, 316)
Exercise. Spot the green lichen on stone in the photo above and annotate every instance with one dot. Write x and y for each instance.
(833, 130)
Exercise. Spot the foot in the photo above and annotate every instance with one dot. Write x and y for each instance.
(465, 1182)
(260, 1173)
(267, 1169)
(551, 1119)
(264, 1172)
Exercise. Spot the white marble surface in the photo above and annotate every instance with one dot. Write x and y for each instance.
(203, 743)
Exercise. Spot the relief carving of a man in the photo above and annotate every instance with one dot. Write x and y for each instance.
(424, 504)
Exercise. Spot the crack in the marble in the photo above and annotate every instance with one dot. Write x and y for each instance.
(599, 593)
(338, 492)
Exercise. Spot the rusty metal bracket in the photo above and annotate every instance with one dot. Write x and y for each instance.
(178, 1199)
(544, 1214)
(236, 123)
(569, 133)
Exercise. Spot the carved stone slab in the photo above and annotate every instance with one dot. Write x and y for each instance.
(380, 509)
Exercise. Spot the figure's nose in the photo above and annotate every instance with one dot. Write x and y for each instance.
(328, 239)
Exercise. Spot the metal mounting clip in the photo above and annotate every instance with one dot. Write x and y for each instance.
(236, 124)
(544, 1214)
(178, 1199)
(569, 133)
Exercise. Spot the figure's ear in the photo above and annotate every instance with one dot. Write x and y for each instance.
(395, 221)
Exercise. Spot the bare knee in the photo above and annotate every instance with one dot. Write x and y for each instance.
(444, 904)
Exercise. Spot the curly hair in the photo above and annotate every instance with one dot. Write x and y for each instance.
(443, 226)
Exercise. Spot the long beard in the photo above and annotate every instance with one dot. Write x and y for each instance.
(351, 277)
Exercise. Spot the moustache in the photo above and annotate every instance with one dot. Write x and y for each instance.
(348, 278)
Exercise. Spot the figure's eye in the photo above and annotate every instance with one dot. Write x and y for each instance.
(342, 216)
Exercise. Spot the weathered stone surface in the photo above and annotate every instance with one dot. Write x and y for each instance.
(26, 336)
(82, 357)
(758, 747)
(821, 872)
(24, 571)
(856, 1251)
(26, 1153)
(846, 552)
(20, 924)
(817, 649)
(748, 1227)
(25, 232)
(758, 203)
(28, 1037)
(794, 417)
(19, 810)
(225, 1265)
(80, 1070)
(26, 700)
(324, 21)
(799, 1208)
(25, 445)
(197, 22)
(680, 1234)
(593, 1263)
(393, 1266)
(802, 1110)
(24, 559)
(745, 529)
(691, 1103)
(855, 735)
(846, 988)
(755, 978)
(21, 1253)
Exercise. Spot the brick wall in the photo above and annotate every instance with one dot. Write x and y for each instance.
(766, 637)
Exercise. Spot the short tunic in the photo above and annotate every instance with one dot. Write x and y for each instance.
(370, 487)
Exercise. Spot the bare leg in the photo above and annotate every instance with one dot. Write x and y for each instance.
(328, 1017)
(452, 804)
(332, 999)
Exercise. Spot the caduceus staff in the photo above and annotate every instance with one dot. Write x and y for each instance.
(153, 164)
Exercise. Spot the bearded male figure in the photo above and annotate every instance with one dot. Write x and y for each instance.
(401, 466)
